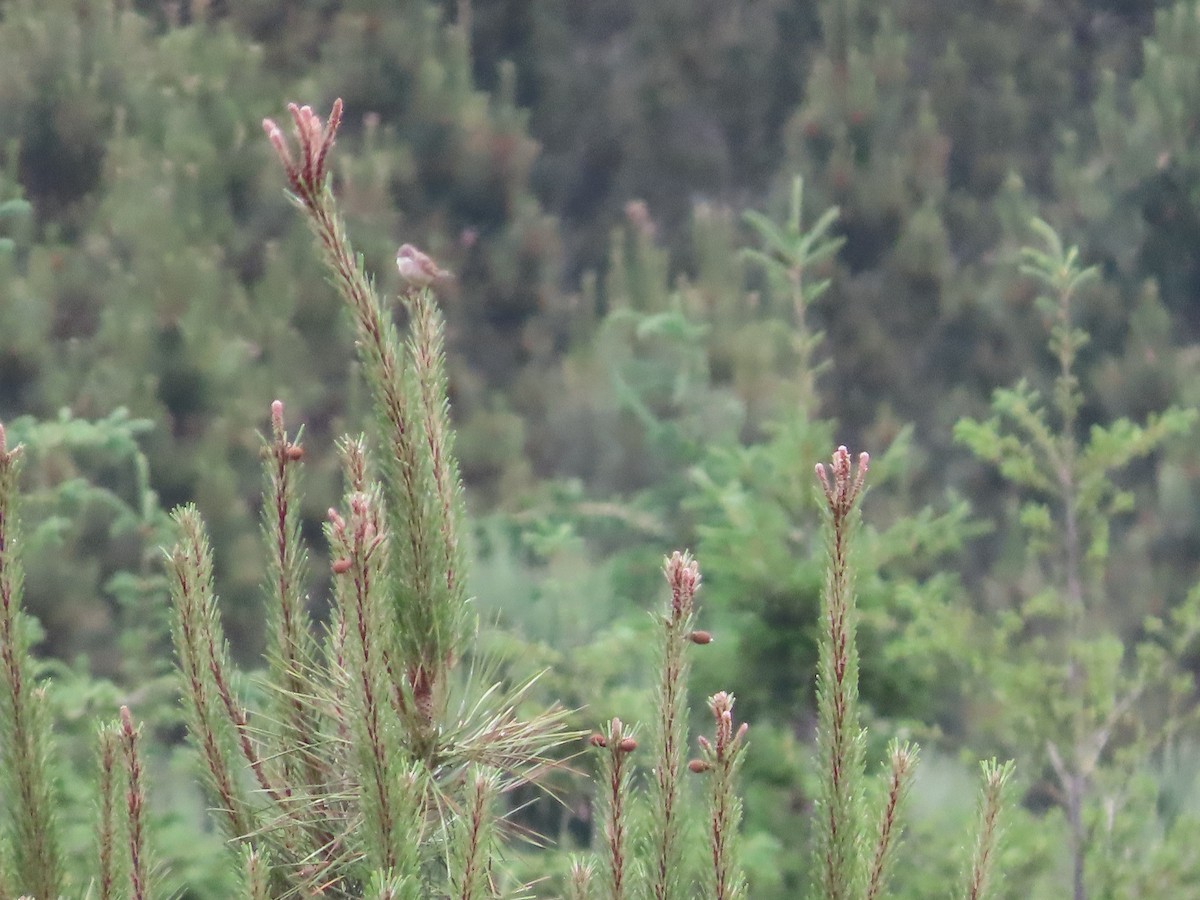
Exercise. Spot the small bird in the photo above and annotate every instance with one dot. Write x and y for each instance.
(417, 268)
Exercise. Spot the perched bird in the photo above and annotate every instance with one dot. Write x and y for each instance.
(416, 268)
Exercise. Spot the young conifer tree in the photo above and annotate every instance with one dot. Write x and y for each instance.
(380, 765)
(853, 857)
(1095, 706)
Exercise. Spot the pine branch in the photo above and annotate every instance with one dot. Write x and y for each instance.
(428, 354)
(903, 762)
(417, 463)
(388, 886)
(106, 829)
(436, 619)
(35, 866)
(135, 803)
(291, 649)
(193, 629)
(473, 838)
(292, 656)
(360, 542)
(256, 873)
(669, 741)
(579, 879)
(989, 830)
(615, 779)
(840, 737)
(721, 759)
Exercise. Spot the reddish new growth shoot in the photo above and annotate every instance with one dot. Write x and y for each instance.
(683, 574)
(307, 177)
(727, 742)
(847, 483)
(285, 451)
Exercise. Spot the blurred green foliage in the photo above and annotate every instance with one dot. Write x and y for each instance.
(634, 365)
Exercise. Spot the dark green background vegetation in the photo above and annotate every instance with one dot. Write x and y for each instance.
(624, 378)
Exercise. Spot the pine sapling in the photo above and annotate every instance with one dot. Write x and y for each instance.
(850, 861)
(418, 462)
(790, 253)
(405, 723)
(1071, 683)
